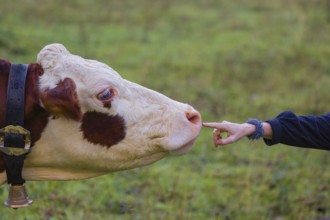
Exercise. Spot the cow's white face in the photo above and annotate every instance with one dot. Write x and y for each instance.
(100, 122)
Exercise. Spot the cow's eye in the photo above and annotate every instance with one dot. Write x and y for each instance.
(105, 95)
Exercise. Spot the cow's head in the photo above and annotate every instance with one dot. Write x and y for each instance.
(87, 120)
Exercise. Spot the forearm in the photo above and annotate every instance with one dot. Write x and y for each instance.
(301, 131)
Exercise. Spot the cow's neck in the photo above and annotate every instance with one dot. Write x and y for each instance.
(36, 117)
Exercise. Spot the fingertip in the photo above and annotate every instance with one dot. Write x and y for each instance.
(208, 124)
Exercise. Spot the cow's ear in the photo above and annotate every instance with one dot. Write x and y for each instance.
(62, 100)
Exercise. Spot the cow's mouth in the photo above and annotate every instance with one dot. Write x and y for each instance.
(188, 141)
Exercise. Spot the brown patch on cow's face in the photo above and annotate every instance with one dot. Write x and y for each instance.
(35, 118)
(62, 100)
(99, 128)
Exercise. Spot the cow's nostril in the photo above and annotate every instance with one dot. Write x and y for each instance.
(194, 117)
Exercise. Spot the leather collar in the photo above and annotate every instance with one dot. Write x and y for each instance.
(14, 135)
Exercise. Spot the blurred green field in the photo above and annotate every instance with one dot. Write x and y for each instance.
(232, 60)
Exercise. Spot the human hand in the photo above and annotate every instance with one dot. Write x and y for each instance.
(234, 131)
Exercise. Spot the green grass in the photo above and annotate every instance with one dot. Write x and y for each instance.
(232, 60)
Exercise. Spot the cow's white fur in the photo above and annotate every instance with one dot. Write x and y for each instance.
(156, 125)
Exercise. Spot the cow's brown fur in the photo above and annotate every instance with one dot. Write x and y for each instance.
(103, 129)
(62, 100)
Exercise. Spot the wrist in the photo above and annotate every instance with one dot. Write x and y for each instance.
(268, 132)
(249, 129)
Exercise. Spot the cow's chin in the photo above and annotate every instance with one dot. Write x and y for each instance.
(183, 149)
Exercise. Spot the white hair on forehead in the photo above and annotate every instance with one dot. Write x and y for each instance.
(53, 53)
(50, 53)
(58, 63)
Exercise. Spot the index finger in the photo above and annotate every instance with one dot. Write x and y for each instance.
(211, 124)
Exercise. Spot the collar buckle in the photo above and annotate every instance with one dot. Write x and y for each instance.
(15, 130)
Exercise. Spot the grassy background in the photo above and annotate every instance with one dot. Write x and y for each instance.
(232, 60)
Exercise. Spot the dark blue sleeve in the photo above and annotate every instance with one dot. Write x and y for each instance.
(302, 131)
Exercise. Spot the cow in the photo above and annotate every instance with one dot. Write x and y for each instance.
(86, 120)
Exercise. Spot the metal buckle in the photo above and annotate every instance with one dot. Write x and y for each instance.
(15, 151)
